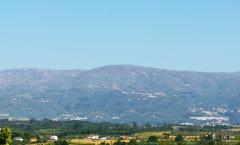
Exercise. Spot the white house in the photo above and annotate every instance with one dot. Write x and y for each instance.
(54, 138)
(103, 138)
(18, 139)
(92, 136)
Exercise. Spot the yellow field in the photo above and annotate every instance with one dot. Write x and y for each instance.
(89, 141)
(148, 134)
(93, 142)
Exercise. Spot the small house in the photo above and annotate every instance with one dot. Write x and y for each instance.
(19, 139)
(93, 137)
(54, 138)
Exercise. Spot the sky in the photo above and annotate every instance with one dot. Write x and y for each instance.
(201, 35)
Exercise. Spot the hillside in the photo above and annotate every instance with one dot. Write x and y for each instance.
(121, 93)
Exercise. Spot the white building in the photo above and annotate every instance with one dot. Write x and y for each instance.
(92, 136)
(54, 138)
(103, 138)
(18, 139)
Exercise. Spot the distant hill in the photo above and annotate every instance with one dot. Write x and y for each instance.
(121, 93)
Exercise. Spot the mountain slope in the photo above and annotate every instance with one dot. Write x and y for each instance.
(120, 93)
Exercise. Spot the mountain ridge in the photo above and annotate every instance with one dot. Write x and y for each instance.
(120, 93)
(118, 65)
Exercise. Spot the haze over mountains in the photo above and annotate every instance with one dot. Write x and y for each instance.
(121, 93)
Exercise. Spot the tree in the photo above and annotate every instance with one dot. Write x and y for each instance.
(119, 142)
(132, 142)
(61, 142)
(179, 138)
(5, 136)
(104, 143)
(152, 139)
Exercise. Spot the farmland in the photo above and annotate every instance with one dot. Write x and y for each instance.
(88, 133)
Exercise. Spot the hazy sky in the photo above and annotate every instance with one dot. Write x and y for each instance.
(201, 35)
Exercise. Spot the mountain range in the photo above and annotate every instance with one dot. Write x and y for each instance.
(121, 93)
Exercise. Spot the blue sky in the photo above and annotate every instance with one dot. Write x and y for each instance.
(199, 35)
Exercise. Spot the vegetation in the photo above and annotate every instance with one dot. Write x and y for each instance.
(76, 132)
(5, 136)
(61, 142)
